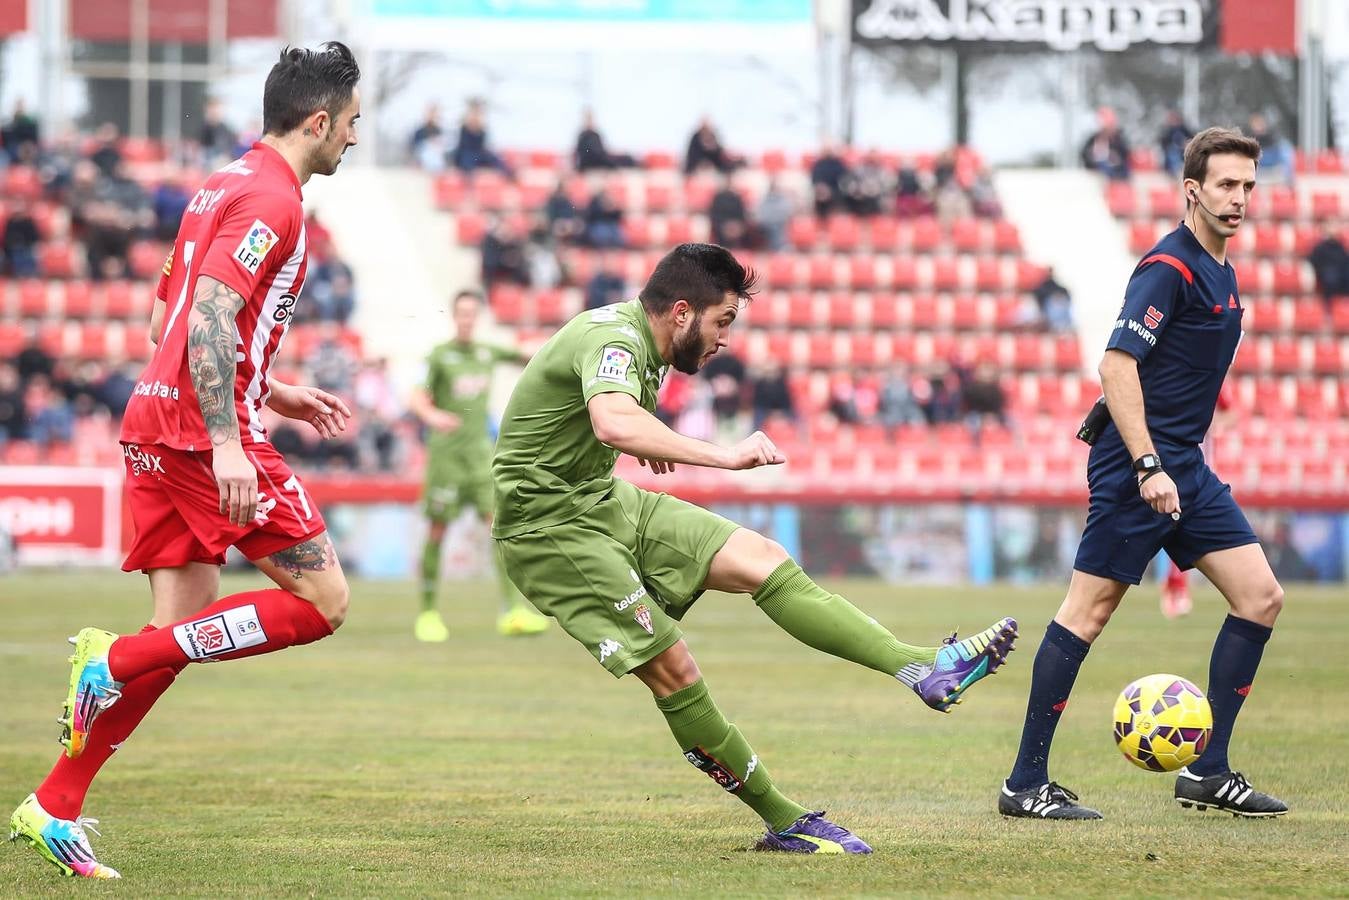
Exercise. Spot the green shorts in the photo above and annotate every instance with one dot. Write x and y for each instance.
(618, 577)
(452, 485)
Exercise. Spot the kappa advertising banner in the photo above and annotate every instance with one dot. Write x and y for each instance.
(61, 516)
(1112, 25)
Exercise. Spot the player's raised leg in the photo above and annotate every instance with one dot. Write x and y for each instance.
(715, 746)
(750, 563)
(308, 604)
(1244, 577)
(1028, 792)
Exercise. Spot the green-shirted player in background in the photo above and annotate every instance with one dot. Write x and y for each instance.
(618, 566)
(453, 406)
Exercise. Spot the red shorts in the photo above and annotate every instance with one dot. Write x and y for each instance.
(175, 506)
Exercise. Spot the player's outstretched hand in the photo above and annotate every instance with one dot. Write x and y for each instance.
(238, 482)
(325, 411)
(754, 451)
(656, 466)
(1160, 493)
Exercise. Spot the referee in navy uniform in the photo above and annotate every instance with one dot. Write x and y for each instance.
(1151, 489)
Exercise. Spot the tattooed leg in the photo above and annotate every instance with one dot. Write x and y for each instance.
(311, 571)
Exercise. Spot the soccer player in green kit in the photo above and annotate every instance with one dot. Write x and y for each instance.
(618, 566)
(453, 406)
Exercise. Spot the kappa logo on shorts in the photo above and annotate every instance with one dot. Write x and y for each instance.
(608, 647)
(614, 364)
(257, 242)
(643, 616)
(142, 461)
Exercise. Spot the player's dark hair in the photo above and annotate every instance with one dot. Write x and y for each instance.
(468, 294)
(701, 274)
(1216, 140)
(304, 81)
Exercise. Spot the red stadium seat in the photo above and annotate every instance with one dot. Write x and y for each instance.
(945, 273)
(1325, 205)
(21, 182)
(988, 273)
(1067, 352)
(1119, 196)
(773, 162)
(1164, 202)
(882, 234)
(1269, 239)
(922, 310)
(966, 235)
(1327, 357)
(1328, 162)
(820, 350)
(636, 231)
(862, 272)
(1309, 314)
(822, 272)
(659, 160)
(56, 259)
(659, 197)
(12, 339)
(1006, 238)
(470, 228)
(800, 309)
(698, 193)
(118, 302)
(1305, 237)
(146, 259)
(1142, 236)
(926, 235)
(803, 232)
(903, 272)
(842, 310)
(550, 307)
(884, 312)
(863, 350)
(1283, 203)
(1287, 356)
(965, 312)
(1029, 275)
(782, 270)
(679, 229)
(843, 233)
(1339, 314)
(508, 303)
(33, 300)
(79, 300)
(1029, 353)
(1288, 277)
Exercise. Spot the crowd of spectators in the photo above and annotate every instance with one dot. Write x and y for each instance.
(1108, 151)
(726, 398)
(111, 206)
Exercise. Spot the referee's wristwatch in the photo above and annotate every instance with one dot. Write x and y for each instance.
(1146, 466)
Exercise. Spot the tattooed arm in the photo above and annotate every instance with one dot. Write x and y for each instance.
(211, 349)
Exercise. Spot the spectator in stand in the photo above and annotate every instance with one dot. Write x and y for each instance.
(1175, 135)
(217, 138)
(107, 155)
(897, 404)
(114, 390)
(1330, 261)
(950, 201)
(729, 218)
(591, 153)
(377, 406)
(471, 152)
(19, 137)
(607, 284)
(33, 361)
(19, 241)
(911, 197)
(776, 209)
(332, 363)
(564, 222)
(12, 425)
(1276, 154)
(984, 400)
(1106, 151)
(770, 395)
(168, 204)
(843, 401)
(866, 185)
(503, 255)
(56, 163)
(50, 420)
(603, 221)
(541, 259)
(329, 291)
(939, 394)
(826, 180)
(427, 144)
(1055, 304)
(673, 397)
(725, 374)
(705, 149)
(984, 196)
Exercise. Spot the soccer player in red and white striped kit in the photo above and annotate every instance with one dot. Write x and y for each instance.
(201, 472)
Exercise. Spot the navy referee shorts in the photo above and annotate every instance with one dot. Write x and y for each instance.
(1123, 533)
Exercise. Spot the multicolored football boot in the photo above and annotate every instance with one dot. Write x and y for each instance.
(92, 688)
(959, 664)
(521, 622)
(61, 842)
(813, 833)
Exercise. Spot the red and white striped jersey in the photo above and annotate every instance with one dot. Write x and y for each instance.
(244, 228)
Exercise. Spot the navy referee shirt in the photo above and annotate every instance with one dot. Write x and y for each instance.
(1181, 320)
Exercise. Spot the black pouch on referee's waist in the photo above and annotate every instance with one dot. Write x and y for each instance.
(1097, 418)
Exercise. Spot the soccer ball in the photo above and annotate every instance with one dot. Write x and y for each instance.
(1162, 722)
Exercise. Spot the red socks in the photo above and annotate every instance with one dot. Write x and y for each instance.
(237, 626)
(62, 794)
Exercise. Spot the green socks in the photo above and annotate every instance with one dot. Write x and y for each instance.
(717, 747)
(829, 623)
(430, 574)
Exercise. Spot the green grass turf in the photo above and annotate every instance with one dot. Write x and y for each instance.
(370, 765)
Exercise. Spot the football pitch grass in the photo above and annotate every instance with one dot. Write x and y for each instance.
(371, 765)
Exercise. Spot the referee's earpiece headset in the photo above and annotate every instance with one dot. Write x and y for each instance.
(1195, 197)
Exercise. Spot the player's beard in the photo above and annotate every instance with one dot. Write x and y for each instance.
(327, 155)
(688, 348)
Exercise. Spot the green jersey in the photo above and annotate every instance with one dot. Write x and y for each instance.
(549, 466)
(459, 380)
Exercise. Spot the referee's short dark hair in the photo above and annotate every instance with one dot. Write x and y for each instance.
(701, 274)
(1216, 140)
(304, 81)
